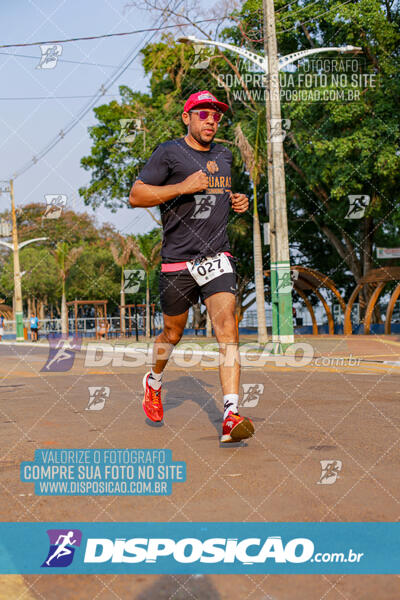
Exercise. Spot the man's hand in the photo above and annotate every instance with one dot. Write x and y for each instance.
(196, 182)
(240, 202)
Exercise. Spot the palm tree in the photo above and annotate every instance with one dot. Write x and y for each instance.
(147, 254)
(239, 230)
(253, 164)
(121, 255)
(65, 258)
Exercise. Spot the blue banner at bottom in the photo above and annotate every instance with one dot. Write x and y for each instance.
(156, 548)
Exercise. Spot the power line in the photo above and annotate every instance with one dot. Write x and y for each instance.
(51, 97)
(107, 35)
(285, 16)
(283, 7)
(313, 18)
(94, 99)
(64, 60)
(295, 12)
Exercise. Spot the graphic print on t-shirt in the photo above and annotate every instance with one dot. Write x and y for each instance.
(194, 225)
(212, 166)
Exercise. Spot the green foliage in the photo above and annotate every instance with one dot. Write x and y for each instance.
(333, 149)
(40, 275)
(339, 148)
(94, 276)
(71, 227)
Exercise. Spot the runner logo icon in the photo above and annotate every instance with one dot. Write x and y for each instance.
(251, 394)
(202, 57)
(54, 206)
(358, 204)
(50, 56)
(133, 279)
(62, 547)
(62, 353)
(97, 397)
(330, 471)
(204, 204)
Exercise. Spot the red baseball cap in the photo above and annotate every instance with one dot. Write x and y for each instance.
(204, 98)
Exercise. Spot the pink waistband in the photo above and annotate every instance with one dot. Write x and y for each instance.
(179, 266)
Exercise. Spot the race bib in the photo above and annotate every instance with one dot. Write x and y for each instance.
(209, 268)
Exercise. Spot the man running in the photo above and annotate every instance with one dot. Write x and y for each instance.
(190, 180)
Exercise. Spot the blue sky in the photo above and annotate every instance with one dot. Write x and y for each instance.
(26, 125)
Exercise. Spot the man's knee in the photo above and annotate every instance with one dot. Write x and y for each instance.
(172, 335)
(225, 327)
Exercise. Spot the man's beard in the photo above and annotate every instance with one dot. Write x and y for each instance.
(201, 141)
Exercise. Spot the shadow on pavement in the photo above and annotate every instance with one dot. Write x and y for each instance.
(181, 587)
(190, 388)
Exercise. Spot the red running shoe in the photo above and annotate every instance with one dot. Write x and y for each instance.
(152, 405)
(236, 428)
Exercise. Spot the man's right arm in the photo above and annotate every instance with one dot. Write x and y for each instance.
(145, 195)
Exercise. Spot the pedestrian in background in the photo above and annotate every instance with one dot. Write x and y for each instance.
(34, 323)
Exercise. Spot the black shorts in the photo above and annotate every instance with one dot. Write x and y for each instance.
(179, 291)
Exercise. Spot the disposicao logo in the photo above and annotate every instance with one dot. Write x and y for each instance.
(62, 547)
(190, 550)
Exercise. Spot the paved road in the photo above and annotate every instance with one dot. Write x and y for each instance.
(304, 415)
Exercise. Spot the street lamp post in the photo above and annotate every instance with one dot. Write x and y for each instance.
(19, 324)
(270, 64)
(15, 247)
(281, 287)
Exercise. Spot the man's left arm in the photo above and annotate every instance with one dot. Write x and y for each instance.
(240, 202)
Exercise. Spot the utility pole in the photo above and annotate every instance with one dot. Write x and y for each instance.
(281, 288)
(15, 247)
(19, 324)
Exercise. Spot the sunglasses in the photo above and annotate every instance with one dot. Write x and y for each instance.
(204, 114)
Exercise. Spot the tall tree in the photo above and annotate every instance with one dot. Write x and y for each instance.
(146, 249)
(253, 165)
(121, 254)
(65, 257)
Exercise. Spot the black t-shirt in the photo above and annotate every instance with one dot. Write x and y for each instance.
(194, 225)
